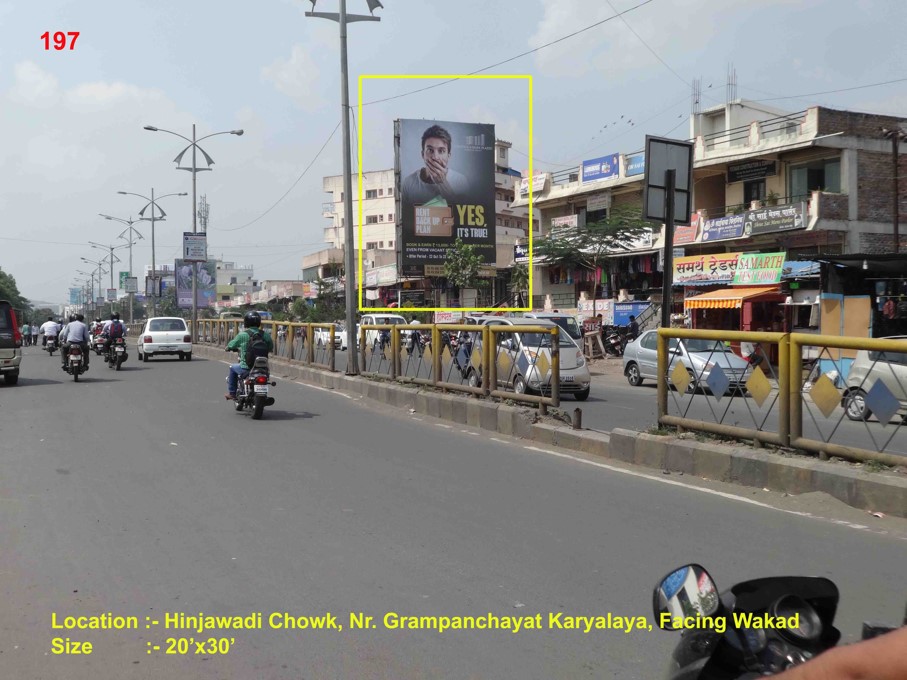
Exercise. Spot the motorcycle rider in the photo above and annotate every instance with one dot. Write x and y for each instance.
(49, 329)
(112, 330)
(75, 333)
(252, 326)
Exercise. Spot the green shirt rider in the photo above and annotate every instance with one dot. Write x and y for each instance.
(252, 323)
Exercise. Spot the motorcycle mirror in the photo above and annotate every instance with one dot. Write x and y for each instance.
(688, 591)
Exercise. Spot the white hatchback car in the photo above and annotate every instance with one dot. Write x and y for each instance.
(165, 335)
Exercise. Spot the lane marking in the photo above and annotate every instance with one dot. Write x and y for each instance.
(721, 494)
(446, 427)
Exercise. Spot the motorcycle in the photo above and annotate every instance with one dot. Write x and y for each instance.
(252, 389)
(116, 353)
(756, 628)
(97, 342)
(416, 343)
(51, 345)
(75, 365)
(614, 344)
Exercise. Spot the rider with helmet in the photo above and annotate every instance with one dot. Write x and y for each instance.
(112, 330)
(75, 333)
(252, 324)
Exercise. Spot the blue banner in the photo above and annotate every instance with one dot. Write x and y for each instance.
(636, 164)
(600, 168)
(720, 228)
(623, 310)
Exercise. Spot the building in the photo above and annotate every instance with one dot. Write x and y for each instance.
(813, 184)
(234, 280)
(381, 279)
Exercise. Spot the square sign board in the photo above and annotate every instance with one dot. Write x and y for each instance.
(195, 247)
(662, 155)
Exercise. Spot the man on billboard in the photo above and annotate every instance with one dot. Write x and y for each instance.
(435, 178)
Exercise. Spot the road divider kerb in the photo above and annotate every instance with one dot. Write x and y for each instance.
(876, 491)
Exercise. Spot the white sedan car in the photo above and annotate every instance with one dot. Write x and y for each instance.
(165, 335)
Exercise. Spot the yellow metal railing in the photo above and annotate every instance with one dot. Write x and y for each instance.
(790, 396)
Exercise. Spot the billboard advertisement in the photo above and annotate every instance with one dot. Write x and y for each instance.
(445, 172)
(75, 296)
(206, 287)
(601, 168)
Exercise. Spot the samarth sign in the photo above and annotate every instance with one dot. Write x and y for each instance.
(758, 269)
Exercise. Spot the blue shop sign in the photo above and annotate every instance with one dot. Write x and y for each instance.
(720, 228)
(636, 164)
(601, 168)
(520, 254)
(623, 310)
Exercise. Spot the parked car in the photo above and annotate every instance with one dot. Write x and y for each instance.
(165, 336)
(323, 337)
(700, 357)
(565, 321)
(10, 343)
(870, 367)
(524, 349)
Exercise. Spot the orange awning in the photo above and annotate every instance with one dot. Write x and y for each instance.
(726, 298)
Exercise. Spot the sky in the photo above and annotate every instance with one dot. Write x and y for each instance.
(71, 121)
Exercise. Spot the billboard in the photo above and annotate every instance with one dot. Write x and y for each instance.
(206, 287)
(445, 175)
(123, 277)
(75, 296)
(601, 168)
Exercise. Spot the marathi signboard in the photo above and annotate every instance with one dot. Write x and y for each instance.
(687, 234)
(601, 168)
(748, 170)
(195, 248)
(758, 269)
(521, 253)
(566, 221)
(717, 268)
(205, 274)
(600, 201)
(775, 218)
(722, 228)
(446, 179)
(636, 164)
(538, 183)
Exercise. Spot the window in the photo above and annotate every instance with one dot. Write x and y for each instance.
(371, 219)
(596, 215)
(390, 192)
(753, 191)
(371, 245)
(501, 152)
(390, 244)
(650, 341)
(500, 222)
(380, 244)
(390, 217)
(232, 280)
(371, 193)
(499, 196)
(824, 175)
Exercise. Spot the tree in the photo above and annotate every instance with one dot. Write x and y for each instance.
(519, 282)
(590, 247)
(167, 305)
(9, 291)
(462, 265)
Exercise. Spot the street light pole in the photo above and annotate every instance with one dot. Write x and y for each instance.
(895, 136)
(153, 203)
(132, 233)
(352, 366)
(193, 144)
(111, 257)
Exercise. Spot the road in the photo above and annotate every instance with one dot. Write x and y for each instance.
(614, 403)
(143, 493)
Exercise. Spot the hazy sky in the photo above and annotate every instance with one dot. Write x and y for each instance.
(71, 121)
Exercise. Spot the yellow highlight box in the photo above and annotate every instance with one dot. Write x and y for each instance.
(361, 126)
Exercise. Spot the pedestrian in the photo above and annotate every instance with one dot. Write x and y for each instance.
(634, 328)
(34, 334)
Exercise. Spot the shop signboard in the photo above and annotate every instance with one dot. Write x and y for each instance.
(448, 317)
(445, 171)
(623, 311)
(722, 228)
(600, 201)
(603, 167)
(584, 308)
(387, 274)
(371, 278)
(416, 298)
(521, 253)
(687, 234)
(538, 183)
(749, 170)
(636, 164)
(775, 218)
(758, 269)
(434, 270)
(717, 268)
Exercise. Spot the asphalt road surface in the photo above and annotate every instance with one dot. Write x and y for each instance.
(143, 493)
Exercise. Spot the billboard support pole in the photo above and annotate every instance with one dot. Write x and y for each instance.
(668, 273)
(349, 266)
(153, 263)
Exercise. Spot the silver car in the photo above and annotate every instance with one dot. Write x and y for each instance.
(869, 368)
(700, 357)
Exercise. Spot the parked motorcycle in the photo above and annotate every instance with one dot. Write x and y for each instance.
(614, 344)
(75, 364)
(252, 390)
(759, 627)
(116, 354)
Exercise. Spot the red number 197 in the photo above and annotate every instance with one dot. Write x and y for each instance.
(60, 39)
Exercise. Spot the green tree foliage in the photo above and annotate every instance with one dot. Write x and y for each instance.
(519, 283)
(167, 304)
(9, 291)
(462, 265)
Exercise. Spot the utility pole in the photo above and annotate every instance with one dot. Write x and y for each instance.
(133, 232)
(895, 136)
(352, 366)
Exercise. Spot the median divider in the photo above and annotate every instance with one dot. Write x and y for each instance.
(877, 491)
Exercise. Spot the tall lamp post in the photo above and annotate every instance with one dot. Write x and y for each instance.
(111, 257)
(133, 232)
(88, 288)
(342, 18)
(153, 203)
(896, 137)
(100, 265)
(193, 144)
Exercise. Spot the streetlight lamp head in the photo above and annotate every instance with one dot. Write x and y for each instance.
(238, 133)
(183, 193)
(122, 192)
(373, 5)
(151, 127)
